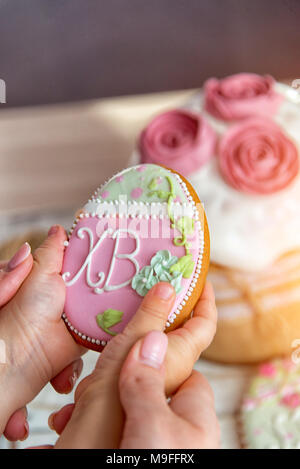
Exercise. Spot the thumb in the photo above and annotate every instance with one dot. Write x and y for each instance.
(141, 388)
(49, 256)
(98, 394)
(42, 295)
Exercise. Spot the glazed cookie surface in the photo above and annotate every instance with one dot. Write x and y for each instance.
(143, 226)
(270, 414)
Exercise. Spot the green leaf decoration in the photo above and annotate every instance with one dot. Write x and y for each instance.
(176, 281)
(185, 265)
(163, 194)
(186, 225)
(109, 318)
(153, 184)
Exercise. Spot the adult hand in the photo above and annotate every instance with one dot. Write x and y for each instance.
(97, 419)
(188, 421)
(31, 303)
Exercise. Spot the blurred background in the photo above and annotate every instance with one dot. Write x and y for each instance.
(82, 79)
(68, 50)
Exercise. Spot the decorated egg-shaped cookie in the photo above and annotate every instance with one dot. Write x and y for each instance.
(145, 225)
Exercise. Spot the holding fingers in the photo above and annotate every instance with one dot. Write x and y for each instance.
(31, 300)
(189, 421)
(97, 420)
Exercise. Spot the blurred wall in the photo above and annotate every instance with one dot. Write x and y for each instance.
(65, 50)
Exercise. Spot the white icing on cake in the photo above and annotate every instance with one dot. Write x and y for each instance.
(249, 232)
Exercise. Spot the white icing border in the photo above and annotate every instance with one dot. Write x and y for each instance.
(133, 209)
(197, 271)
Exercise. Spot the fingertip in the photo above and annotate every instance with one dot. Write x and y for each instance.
(206, 306)
(19, 257)
(208, 291)
(57, 421)
(153, 349)
(65, 381)
(49, 255)
(57, 233)
(162, 291)
(155, 307)
(26, 431)
(17, 428)
(150, 351)
(197, 379)
(11, 280)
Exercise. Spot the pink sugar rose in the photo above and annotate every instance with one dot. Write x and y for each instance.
(241, 95)
(257, 157)
(267, 370)
(178, 139)
(291, 400)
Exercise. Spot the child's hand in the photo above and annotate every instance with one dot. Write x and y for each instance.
(97, 419)
(38, 345)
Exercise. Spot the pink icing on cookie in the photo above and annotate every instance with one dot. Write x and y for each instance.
(141, 168)
(257, 157)
(180, 140)
(117, 270)
(120, 178)
(105, 194)
(241, 95)
(136, 193)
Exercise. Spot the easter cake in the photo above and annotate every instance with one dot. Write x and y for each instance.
(237, 141)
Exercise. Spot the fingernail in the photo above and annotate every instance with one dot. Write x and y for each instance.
(26, 432)
(77, 368)
(53, 230)
(154, 348)
(163, 290)
(19, 257)
(50, 421)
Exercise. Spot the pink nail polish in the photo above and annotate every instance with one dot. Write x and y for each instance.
(154, 348)
(72, 380)
(19, 257)
(26, 432)
(53, 230)
(50, 421)
(77, 369)
(164, 291)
